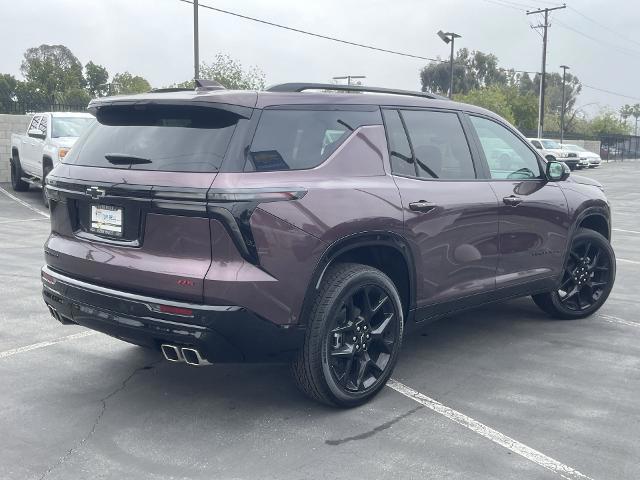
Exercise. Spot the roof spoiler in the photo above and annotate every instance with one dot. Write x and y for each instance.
(202, 84)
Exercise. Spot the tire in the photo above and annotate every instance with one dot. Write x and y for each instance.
(354, 302)
(45, 171)
(593, 262)
(17, 183)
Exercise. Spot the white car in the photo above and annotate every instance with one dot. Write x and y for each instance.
(552, 150)
(49, 137)
(592, 159)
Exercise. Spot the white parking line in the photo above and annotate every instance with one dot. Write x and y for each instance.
(23, 220)
(625, 231)
(35, 346)
(509, 443)
(23, 203)
(635, 262)
(622, 321)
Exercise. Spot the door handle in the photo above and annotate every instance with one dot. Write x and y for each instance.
(422, 206)
(512, 200)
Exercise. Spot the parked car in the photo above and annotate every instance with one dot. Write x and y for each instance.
(309, 226)
(552, 150)
(591, 159)
(582, 162)
(47, 140)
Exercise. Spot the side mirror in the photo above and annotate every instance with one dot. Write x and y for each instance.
(35, 133)
(557, 171)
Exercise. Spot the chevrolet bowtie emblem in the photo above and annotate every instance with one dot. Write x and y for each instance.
(95, 192)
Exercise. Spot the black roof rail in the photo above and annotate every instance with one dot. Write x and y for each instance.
(300, 87)
(202, 84)
(170, 89)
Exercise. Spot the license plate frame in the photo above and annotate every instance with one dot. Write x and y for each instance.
(106, 220)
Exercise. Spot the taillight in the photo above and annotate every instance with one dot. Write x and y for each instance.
(255, 194)
(172, 310)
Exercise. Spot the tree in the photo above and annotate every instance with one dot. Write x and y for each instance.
(8, 84)
(506, 101)
(635, 113)
(230, 73)
(75, 97)
(607, 122)
(471, 71)
(96, 77)
(126, 84)
(52, 69)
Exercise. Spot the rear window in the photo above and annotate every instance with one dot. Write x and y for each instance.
(302, 139)
(180, 139)
(69, 126)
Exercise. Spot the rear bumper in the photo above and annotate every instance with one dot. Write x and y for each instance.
(221, 333)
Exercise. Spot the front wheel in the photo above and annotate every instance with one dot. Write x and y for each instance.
(354, 335)
(587, 279)
(17, 183)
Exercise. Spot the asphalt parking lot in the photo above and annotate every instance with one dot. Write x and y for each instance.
(520, 396)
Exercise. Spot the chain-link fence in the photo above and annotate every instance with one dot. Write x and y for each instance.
(20, 108)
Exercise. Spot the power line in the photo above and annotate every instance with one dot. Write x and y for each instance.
(610, 92)
(626, 51)
(312, 34)
(601, 25)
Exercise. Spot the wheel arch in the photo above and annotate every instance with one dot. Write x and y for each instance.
(386, 251)
(46, 162)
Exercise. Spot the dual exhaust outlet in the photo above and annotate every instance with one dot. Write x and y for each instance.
(188, 355)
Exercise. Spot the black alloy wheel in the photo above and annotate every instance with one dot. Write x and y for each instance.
(587, 278)
(361, 340)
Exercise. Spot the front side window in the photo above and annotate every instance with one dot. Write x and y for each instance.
(440, 148)
(299, 139)
(508, 157)
(537, 144)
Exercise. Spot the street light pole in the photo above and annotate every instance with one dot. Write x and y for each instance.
(449, 37)
(562, 111)
(196, 42)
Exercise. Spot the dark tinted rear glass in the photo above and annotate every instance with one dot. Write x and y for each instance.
(301, 139)
(180, 139)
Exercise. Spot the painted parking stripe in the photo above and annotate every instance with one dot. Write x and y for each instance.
(489, 433)
(41, 219)
(34, 346)
(635, 262)
(625, 231)
(23, 203)
(622, 321)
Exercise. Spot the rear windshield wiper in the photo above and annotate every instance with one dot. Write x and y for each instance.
(125, 159)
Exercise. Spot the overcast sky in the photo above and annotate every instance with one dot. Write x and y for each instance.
(154, 38)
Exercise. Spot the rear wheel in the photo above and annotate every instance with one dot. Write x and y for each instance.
(17, 183)
(587, 280)
(353, 337)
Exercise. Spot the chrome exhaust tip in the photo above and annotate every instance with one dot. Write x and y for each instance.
(171, 353)
(193, 357)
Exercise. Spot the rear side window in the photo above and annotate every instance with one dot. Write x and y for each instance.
(298, 139)
(399, 148)
(439, 144)
(166, 138)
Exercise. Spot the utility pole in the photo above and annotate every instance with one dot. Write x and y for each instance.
(562, 111)
(348, 78)
(196, 42)
(545, 26)
(449, 37)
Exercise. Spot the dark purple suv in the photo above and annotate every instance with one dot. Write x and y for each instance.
(312, 227)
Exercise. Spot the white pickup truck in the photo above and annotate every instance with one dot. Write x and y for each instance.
(48, 138)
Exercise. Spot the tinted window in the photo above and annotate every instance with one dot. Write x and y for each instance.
(439, 145)
(399, 149)
(506, 154)
(302, 139)
(69, 126)
(537, 144)
(34, 122)
(43, 125)
(180, 139)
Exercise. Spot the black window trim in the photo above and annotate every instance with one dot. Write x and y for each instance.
(483, 158)
(478, 166)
